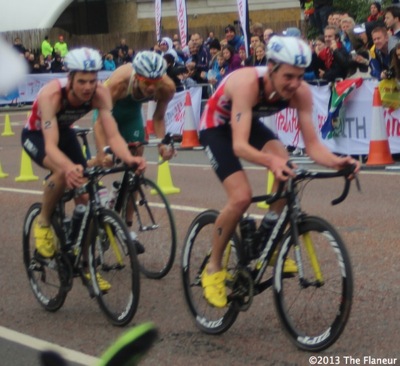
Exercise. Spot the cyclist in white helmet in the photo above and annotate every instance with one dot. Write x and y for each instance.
(230, 130)
(130, 86)
(52, 144)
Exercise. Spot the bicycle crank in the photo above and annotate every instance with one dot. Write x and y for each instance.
(242, 290)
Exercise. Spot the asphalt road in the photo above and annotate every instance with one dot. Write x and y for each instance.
(368, 222)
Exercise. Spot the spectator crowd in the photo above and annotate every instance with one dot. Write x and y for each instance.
(342, 49)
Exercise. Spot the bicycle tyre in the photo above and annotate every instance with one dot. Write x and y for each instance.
(315, 316)
(120, 303)
(47, 277)
(195, 254)
(154, 225)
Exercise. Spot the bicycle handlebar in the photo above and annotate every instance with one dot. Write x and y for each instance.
(93, 172)
(302, 174)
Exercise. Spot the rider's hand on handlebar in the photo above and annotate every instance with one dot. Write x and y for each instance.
(345, 161)
(167, 152)
(139, 161)
(74, 176)
(280, 168)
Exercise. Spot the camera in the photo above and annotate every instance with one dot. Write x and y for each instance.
(389, 74)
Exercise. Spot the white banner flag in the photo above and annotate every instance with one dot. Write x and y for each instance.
(243, 10)
(157, 8)
(182, 21)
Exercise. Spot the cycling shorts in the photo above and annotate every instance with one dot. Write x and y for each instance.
(218, 146)
(33, 143)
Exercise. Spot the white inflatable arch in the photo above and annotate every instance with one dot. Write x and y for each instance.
(27, 14)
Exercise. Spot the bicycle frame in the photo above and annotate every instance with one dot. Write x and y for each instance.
(290, 217)
(89, 218)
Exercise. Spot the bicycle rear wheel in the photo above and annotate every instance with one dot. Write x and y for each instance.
(48, 278)
(314, 310)
(195, 254)
(114, 258)
(154, 225)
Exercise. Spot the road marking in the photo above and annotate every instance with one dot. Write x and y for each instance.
(40, 345)
(16, 190)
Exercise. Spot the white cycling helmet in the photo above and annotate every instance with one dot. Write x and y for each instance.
(149, 64)
(289, 50)
(83, 59)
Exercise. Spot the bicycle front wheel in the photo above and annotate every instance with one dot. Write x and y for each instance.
(114, 259)
(195, 255)
(48, 278)
(314, 309)
(154, 225)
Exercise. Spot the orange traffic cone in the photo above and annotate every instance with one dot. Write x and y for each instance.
(190, 138)
(379, 150)
(7, 127)
(270, 183)
(151, 107)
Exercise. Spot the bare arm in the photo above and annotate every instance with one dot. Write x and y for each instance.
(318, 152)
(49, 103)
(102, 102)
(163, 96)
(117, 85)
(242, 88)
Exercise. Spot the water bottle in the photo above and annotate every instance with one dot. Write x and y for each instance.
(77, 217)
(248, 233)
(67, 228)
(267, 225)
(103, 195)
(113, 194)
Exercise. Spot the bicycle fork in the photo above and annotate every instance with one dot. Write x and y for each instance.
(312, 256)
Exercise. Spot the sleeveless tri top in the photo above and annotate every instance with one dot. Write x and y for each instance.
(67, 115)
(217, 111)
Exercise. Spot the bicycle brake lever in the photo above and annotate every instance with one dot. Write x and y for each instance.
(358, 185)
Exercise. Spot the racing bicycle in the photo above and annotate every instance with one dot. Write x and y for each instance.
(313, 303)
(144, 207)
(150, 217)
(98, 243)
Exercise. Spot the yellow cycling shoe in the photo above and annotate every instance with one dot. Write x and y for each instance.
(214, 288)
(44, 240)
(103, 284)
(289, 266)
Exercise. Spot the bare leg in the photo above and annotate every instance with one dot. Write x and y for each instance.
(53, 191)
(238, 190)
(276, 147)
